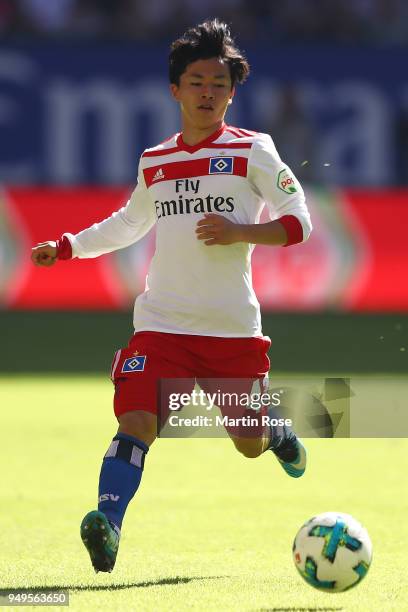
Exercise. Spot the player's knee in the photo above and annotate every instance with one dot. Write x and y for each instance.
(249, 448)
(250, 453)
(140, 424)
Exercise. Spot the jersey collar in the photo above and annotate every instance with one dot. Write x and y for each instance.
(203, 143)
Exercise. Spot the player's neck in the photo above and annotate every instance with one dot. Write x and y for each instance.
(193, 135)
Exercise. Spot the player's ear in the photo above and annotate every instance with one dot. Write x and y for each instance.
(232, 94)
(174, 91)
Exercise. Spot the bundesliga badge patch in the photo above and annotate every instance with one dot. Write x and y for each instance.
(134, 364)
(221, 165)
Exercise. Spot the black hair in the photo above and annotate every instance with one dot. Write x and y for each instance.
(212, 38)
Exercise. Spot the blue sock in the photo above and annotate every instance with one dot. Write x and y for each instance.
(120, 476)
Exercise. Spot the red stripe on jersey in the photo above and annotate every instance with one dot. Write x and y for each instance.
(203, 143)
(240, 132)
(235, 132)
(188, 169)
(230, 145)
(247, 132)
(223, 145)
(161, 152)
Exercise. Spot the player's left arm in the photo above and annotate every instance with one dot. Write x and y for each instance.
(274, 182)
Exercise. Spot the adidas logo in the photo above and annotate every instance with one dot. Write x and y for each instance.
(159, 175)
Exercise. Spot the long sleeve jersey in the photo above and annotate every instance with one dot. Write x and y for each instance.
(192, 288)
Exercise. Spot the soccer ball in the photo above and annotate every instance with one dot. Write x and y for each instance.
(332, 552)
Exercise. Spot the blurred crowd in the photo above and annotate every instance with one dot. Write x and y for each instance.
(343, 21)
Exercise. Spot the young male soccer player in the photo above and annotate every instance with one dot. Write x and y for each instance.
(198, 317)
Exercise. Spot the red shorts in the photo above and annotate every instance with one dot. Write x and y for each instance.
(153, 356)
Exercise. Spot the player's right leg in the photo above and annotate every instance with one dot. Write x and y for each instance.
(136, 372)
(120, 477)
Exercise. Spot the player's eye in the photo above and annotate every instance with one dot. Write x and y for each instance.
(195, 84)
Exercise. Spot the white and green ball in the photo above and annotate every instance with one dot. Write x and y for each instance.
(332, 552)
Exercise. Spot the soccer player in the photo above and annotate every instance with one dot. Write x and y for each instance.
(198, 318)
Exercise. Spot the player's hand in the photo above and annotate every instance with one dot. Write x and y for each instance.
(44, 254)
(216, 229)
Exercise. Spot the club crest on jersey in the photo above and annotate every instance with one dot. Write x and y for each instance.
(221, 165)
(134, 364)
(286, 182)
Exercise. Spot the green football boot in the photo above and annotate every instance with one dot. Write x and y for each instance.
(101, 539)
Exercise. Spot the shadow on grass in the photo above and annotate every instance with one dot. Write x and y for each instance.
(108, 587)
(292, 609)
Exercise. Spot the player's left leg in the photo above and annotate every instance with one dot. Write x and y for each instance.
(251, 447)
(246, 360)
(287, 447)
(281, 440)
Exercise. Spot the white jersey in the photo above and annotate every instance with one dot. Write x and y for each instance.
(192, 288)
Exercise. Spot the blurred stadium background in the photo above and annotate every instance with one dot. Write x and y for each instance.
(84, 89)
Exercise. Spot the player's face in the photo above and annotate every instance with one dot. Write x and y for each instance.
(204, 93)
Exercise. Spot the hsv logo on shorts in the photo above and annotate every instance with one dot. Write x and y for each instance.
(134, 364)
(221, 165)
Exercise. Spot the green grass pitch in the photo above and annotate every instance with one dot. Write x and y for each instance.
(208, 529)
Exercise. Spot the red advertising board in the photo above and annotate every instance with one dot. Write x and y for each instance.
(356, 258)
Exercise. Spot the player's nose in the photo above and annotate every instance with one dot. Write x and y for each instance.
(207, 92)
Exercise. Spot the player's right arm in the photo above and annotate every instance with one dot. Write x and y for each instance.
(45, 254)
(122, 228)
